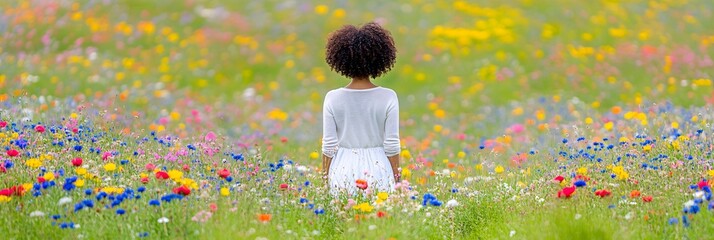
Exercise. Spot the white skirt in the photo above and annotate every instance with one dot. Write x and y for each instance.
(351, 164)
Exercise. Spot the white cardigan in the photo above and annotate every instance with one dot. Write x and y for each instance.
(360, 118)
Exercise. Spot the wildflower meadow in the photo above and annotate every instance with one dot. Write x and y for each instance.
(201, 119)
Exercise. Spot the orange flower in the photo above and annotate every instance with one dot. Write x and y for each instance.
(361, 184)
(634, 194)
(264, 217)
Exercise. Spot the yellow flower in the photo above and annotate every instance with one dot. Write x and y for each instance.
(321, 9)
(479, 166)
(110, 167)
(225, 192)
(49, 176)
(711, 173)
(406, 173)
(314, 155)
(461, 154)
(382, 196)
(4, 199)
(33, 163)
(406, 154)
(609, 125)
(647, 148)
(79, 183)
(582, 171)
(364, 207)
(175, 175)
(80, 171)
(499, 169)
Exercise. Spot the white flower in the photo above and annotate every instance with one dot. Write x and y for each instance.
(699, 194)
(452, 203)
(37, 214)
(163, 220)
(64, 200)
(512, 233)
(578, 216)
(689, 204)
(301, 169)
(628, 216)
(372, 227)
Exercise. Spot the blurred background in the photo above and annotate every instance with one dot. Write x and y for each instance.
(256, 69)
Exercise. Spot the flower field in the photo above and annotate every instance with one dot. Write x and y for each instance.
(197, 119)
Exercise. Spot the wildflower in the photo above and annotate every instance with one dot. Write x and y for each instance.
(163, 220)
(264, 217)
(183, 190)
(175, 175)
(77, 162)
(162, 175)
(4, 199)
(150, 167)
(603, 193)
(109, 167)
(634, 194)
(202, 216)
(64, 201)
(283, 186)
(40, 128)
(154, 202)
(381, 214)
(361, 184)
(121, 211)
(382, 196)
(363, 207)
(225, 192)
(580, 183)
(558, 179)
(37, 214)
(567, 192)
(452, 203)
(224, 173)
(12, 153)
(499, 169)
(702, 184)
(647, 199)
(314, 155)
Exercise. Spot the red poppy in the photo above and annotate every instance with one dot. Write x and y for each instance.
(647, 199)
(18, 190)
(361, 184)
(40, 128)
(77, 162)
(702, 184)
(558, 179)
(634, 194)
(283, 186)
(224, 173)
(381, 214)
(183, 190)
(567, 192)
(283, 139)
(41, 179)
(6, 192)
(162, 175)
(12, 152)
(603, 193)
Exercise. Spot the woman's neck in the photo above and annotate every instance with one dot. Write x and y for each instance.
(360, 83)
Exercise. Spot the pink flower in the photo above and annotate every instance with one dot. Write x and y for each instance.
(77, 162)
(40, 128)
(210, 137)
(3, 124)
(12, 153)
(150, 167)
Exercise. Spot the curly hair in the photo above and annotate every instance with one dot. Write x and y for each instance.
(367, 51)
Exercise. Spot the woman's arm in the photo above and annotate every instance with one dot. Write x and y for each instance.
(329, 136)
(391, 136)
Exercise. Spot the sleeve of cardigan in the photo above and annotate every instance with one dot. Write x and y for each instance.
(329, 129)
(391, 128)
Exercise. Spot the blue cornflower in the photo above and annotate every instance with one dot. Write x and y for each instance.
(121, 211)
(154, 202)
(88, 203)
(673, 221)
(307, 183)
(55, 217)
(78, 207)
(8, 164)
(580, 183)
(78, 148)
(303, 200)
(141, 189)
(319, 211)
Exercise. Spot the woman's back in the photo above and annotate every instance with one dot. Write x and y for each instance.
(362, 118)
